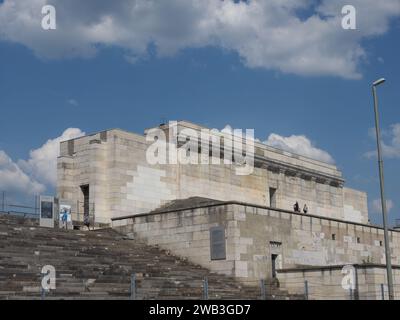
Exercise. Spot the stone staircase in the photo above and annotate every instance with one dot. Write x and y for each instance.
(98, 265)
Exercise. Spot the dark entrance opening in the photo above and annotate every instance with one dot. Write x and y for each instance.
(272, 197)
(273, 260)
(85, 192)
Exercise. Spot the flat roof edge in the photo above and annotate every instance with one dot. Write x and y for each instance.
(224, 203)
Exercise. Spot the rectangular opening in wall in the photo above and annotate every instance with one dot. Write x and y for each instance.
(217, 243)
(272, 197)
(358, 240)
(333, 236)
(273, 261)
(85, 193)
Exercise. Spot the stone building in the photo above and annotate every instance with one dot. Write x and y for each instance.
(236, 224)
(110, 170)
(254, 242)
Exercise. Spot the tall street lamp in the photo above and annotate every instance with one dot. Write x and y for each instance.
(383, 201)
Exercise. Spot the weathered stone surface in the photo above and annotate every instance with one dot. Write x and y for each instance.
(253, 236)
(101, 266)
(122, 182)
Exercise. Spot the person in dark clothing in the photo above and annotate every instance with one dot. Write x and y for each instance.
(296, 207)
(305, 208)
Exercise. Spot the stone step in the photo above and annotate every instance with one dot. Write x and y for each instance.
(98, 265)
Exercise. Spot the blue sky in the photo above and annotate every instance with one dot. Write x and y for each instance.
(42, 95)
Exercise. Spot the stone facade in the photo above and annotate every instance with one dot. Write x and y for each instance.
(121, 181)
(241, 225)
(254, 235)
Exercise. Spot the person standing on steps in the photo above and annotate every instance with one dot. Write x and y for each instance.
(296, 207)
(64, 219)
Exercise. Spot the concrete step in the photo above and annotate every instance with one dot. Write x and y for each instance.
(98, 265)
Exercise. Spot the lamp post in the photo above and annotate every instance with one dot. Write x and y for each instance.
(383, 201)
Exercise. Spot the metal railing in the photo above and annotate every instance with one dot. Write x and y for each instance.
(155, 287)
(26, 210)
(139, 287)
(317, 290)
(30, 209)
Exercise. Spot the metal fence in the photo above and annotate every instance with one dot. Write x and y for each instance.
(164, 288)
(31, 207)
(28, 209)
(317, 290)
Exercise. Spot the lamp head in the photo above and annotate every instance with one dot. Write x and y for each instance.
(378, 82)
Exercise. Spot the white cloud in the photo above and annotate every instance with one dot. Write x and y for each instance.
(300, 145)
(297, 144)
(42, 162)
(13, 179)
(34, 175)
(266, 34)
(73, 102)
(390, 149)
(377, 205)
(227, 129)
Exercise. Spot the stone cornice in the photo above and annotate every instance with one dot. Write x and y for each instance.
(293, 170)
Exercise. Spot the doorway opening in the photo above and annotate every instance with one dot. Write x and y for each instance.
(85, 192)
(273, 261)
(272, 197)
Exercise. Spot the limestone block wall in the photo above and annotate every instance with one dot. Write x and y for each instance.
(254, 234)
(355, 205)
(326, 283)
(221, 183)
(186, 234)
(136, 186)
(320, 198)
(122, 182)
(82, 162)
(305, 240)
